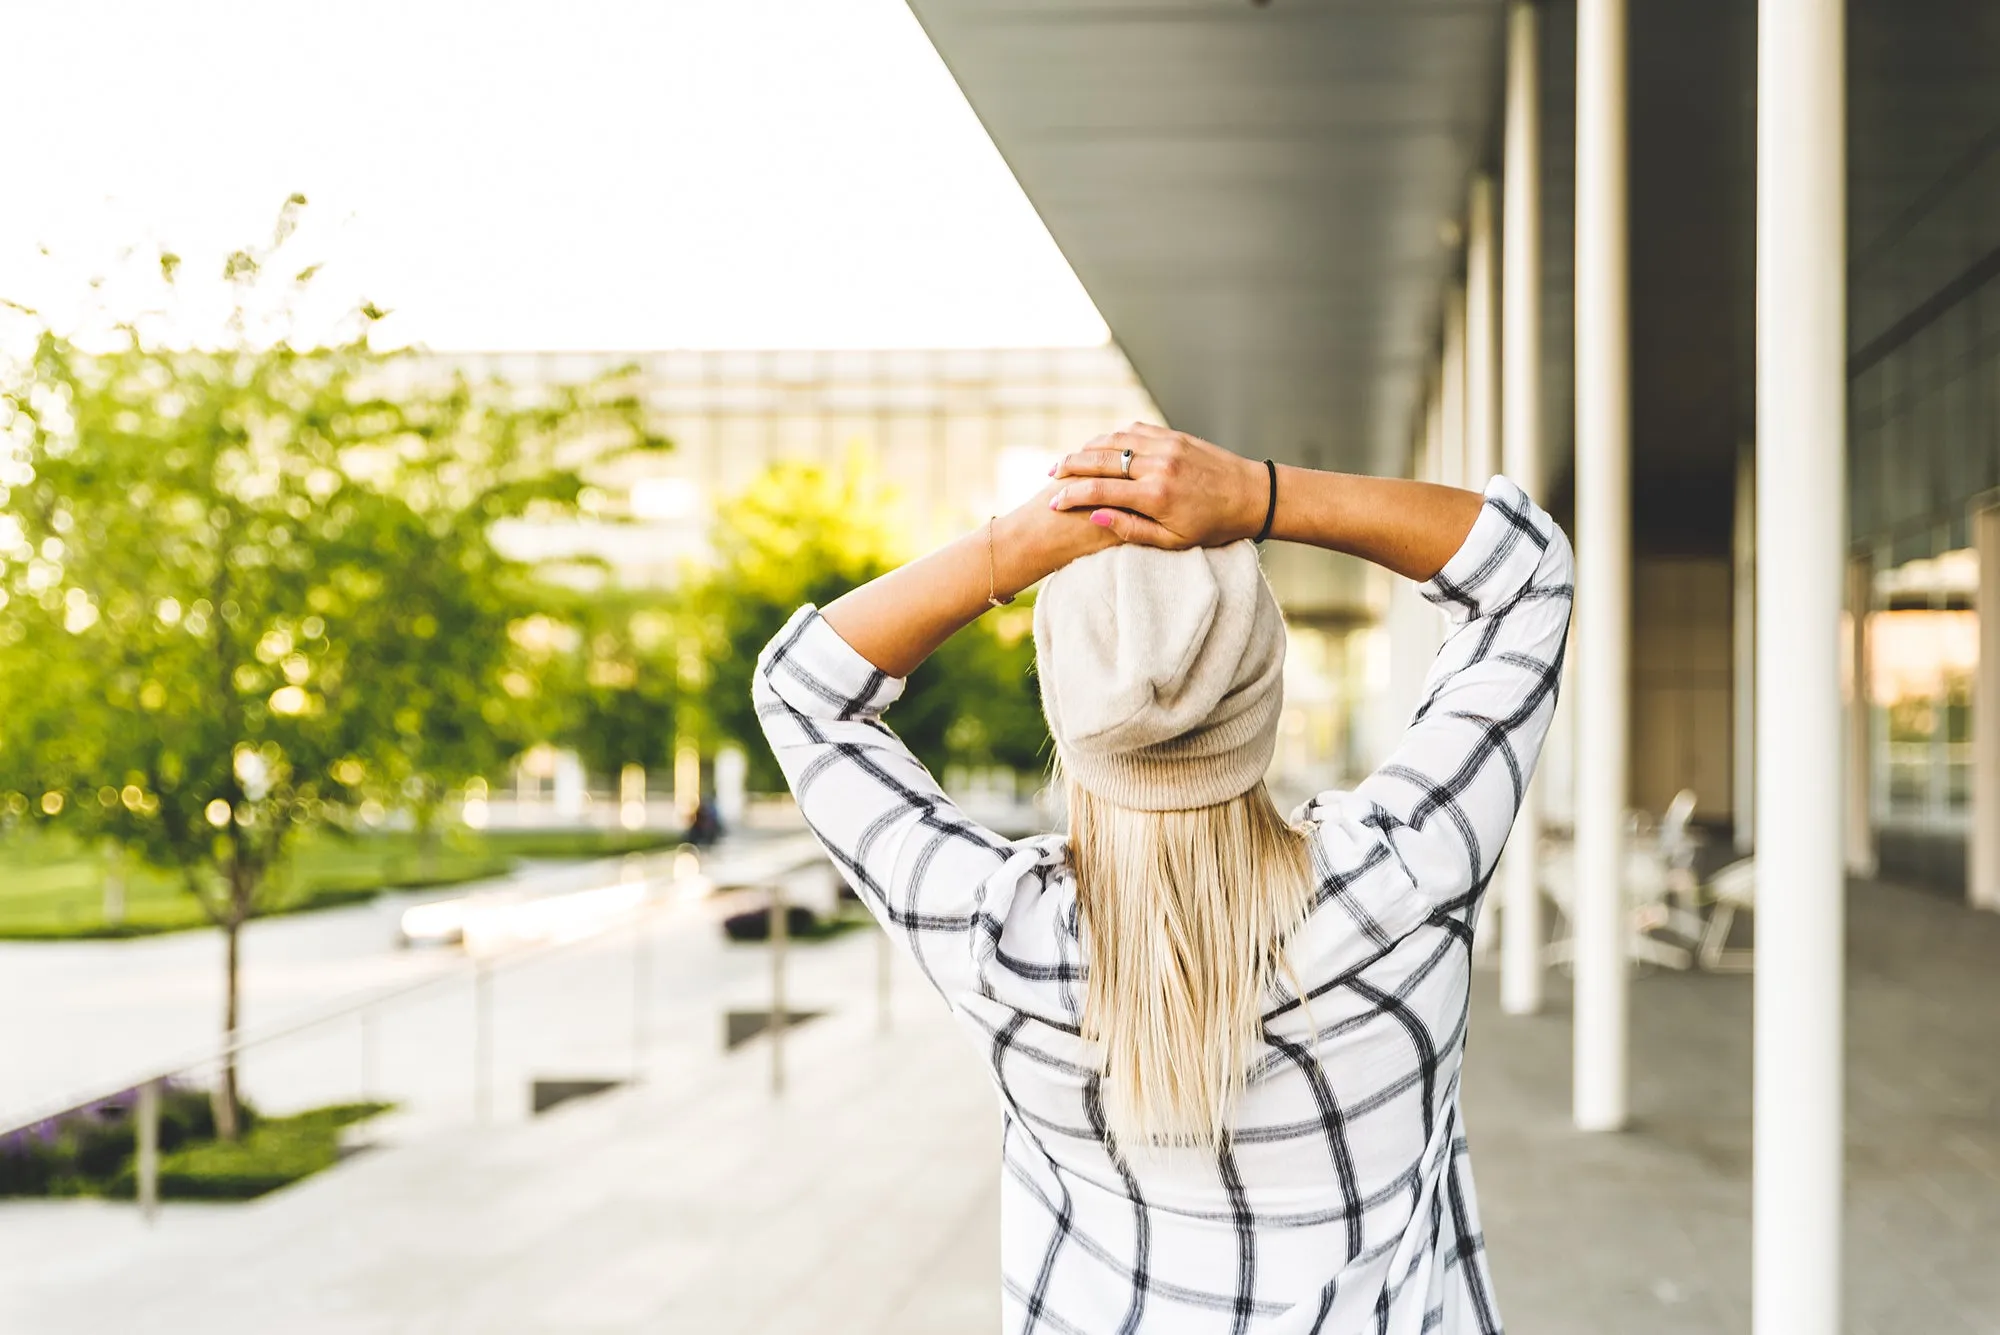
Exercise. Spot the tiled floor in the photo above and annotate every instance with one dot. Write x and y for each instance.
(1649, 1231)
(865, 1201)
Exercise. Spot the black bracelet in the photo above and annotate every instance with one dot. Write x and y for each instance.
(1271, 510)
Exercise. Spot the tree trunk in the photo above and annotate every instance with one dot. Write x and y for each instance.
(226, 1120)
(429, 837)
(114, 886)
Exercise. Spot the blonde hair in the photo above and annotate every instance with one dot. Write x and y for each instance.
(1186, 914)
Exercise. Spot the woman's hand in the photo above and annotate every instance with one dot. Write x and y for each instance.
(1181, 491)
(897, 620)
(1039, 537)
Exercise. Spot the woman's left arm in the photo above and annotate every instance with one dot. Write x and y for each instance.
(899, 619)
(919, 864)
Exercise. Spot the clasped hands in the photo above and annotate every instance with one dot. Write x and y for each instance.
(1180, 491)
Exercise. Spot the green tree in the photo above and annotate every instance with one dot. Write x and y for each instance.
(619, 672)
(250, 589)
(805, 533)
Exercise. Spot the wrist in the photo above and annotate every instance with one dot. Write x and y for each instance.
(1299, 497)
(1031, 542)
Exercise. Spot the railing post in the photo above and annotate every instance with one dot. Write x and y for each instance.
(368, 1080)
(482, 1042)
(641, 985)
(884, 953)
(149, 1150)
(780, 934)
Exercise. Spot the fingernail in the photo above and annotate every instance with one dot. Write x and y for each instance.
(1052, 470)
(1101, 518)
(1055, 501)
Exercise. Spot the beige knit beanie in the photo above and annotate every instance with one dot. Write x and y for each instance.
(1162, 673)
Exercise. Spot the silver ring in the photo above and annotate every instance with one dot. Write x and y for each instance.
(1125, 463)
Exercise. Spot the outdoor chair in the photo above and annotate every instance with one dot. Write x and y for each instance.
(1679, 843)
(1648, 885)
(1732, 889)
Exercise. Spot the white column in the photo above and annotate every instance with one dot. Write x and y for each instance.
(1451, 391)
(1603, 564)
(1521, 458)
(1801, 566)
(687, 781)
(1482, 339)
(1858, 772)
(1743, 653)
(1413, 626)
(1433, 456)
(1982, 881)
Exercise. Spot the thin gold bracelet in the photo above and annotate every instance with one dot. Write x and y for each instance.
(993, 598)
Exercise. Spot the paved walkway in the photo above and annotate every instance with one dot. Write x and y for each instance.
(865, 1199)
(108, 1012)
(1648, 1232)
(862, 1201)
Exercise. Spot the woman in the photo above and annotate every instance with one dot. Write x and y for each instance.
(1227, 1046)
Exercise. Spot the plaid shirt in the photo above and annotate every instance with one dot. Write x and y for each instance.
(1342, 1200)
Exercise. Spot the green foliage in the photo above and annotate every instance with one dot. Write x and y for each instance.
(802, 533)
(274, 1153)
(83, 1152)
(618, 680)
(978, 697)
(252, 589)
(92, 1151)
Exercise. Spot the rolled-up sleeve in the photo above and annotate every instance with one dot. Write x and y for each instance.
(917, 862)
(1424, 831)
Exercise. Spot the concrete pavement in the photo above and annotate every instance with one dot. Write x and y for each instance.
(865, 1199)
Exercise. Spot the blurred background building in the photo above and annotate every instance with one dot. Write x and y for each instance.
(951, 435)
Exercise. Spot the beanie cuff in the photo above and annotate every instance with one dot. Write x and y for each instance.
(1156, 778)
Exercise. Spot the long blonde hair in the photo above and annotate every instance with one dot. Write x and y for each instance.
(1186, 914)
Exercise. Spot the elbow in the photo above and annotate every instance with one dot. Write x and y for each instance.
(1559, 563)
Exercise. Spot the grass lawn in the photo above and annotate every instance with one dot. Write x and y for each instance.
(92, 1151)
(52, 888)
(275, 1152)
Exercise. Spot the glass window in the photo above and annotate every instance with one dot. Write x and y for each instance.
(1923, 654)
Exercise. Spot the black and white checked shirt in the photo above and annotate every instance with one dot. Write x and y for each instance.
(1342, 1201)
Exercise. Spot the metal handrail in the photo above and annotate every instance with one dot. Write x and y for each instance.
(148, 1086)
(243, 1041)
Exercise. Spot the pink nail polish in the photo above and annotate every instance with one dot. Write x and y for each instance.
(1052, 470)
(1101, 518)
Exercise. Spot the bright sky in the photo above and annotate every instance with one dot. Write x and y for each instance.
(598, 174)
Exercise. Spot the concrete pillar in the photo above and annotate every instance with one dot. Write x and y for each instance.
(1604, 564)
(1982, 880)
(571, 794)
(1743, 651)
(732, 769)
(1482, 340)
(687, 782)
(1521, 459)
(632, 797)
(1432, 469)
(1801, 564)
(1858, 770)
(1451, 391)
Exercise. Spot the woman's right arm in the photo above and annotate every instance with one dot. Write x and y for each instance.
(1497, 566)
